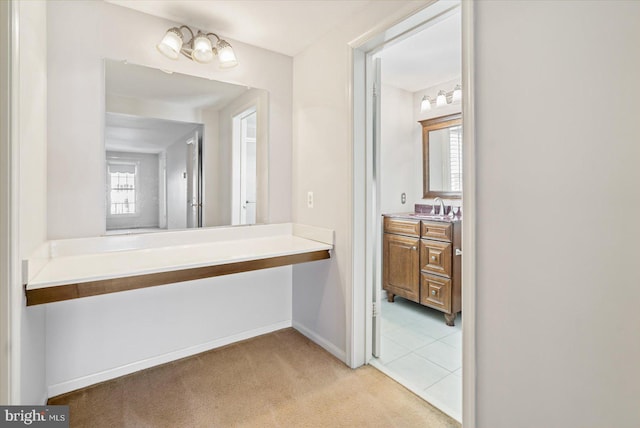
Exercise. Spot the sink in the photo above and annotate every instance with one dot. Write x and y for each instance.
(427, 216)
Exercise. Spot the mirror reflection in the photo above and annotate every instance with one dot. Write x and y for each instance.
(182, 151)
(442, 153)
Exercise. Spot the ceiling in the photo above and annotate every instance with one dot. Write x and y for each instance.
(135, 81)
(124, 133)
(430, 57)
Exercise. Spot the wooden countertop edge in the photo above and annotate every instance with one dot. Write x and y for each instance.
(71, 291)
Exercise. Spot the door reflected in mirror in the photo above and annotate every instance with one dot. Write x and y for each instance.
(442, 156)
(182, 151)
(244, 146)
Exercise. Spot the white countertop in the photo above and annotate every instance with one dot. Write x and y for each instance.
(101, 258)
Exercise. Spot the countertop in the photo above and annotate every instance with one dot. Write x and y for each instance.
(68, 269)
(424, 216)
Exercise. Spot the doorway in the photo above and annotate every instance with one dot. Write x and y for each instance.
(244, 195)
(373, 201)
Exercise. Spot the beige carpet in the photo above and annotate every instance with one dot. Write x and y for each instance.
(277, 380)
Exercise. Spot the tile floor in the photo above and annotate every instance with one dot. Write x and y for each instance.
(424, 354)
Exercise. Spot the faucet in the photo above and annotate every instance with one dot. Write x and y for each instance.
(442, 208)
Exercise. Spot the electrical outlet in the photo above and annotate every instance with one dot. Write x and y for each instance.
(309, 199)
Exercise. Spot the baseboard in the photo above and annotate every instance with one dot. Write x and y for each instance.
(83, 382)
(324, 343)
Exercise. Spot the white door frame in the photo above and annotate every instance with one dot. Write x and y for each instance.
(10, 276)
(360, 328)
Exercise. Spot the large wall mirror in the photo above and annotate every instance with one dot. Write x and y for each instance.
(182, 151)
(442, 156)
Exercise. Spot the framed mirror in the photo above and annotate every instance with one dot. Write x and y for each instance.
(442, 156)
(182, 151)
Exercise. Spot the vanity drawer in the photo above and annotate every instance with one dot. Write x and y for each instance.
(435, 257)
(436, 230)
(435, 291)
(402, 226)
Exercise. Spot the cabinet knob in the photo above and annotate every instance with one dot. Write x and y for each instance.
(414, 248)
(433, 292)
(433, 257)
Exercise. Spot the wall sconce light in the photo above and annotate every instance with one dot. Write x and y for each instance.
(198, 48)
(442, 99)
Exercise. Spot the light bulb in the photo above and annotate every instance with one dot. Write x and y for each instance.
(425, 104)
(441, 100)
(202, 49)
(226, 55)
(457, 94)
(171, 43)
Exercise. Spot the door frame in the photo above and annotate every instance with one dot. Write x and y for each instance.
(10, 274)
(360, 314)
(194, 179)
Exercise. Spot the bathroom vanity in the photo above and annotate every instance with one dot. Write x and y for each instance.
(421, 261)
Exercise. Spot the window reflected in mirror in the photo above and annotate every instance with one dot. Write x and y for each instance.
(445, 159)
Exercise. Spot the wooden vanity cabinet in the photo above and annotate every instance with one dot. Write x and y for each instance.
(420, 263)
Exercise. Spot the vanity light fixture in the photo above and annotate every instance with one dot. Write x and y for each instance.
(442, 99)
(198, 48)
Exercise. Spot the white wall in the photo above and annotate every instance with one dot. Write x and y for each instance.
(398, 151)
(210, 165)
(32, 114)
(76, 104)
(556, 105)
(176, 162)
(322, 163)
(97, 338)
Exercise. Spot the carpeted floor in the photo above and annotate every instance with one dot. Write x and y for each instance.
(281, 379)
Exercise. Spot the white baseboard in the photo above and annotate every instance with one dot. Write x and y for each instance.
(92, 379)
(324, 343)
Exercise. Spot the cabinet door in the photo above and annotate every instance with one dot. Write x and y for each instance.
(401, 266)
